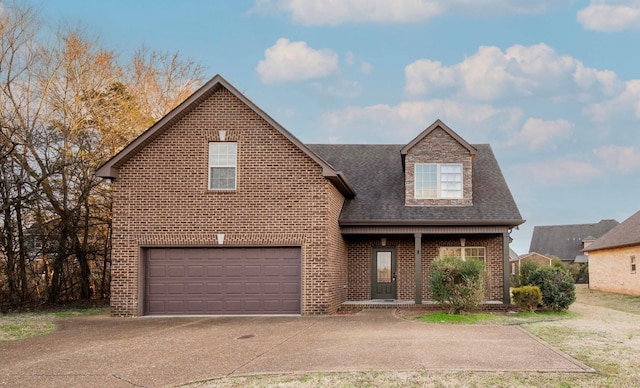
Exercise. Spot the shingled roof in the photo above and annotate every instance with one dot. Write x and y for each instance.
(375, 172)
(625, 234)
(565, 241)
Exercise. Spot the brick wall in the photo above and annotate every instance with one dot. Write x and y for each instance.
(438, 147)
(161, 198)
(359, 256)
(610, 270)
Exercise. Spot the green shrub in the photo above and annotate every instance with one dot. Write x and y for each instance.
(526, 268)
(457, 284)
(527, 297)
(556, 285)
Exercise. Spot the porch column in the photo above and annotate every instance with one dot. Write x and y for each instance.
(418, 279)
(506, 294)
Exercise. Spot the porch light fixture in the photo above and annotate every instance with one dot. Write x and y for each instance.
(383, 241)
(220, 238)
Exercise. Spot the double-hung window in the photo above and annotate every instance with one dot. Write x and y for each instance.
(222, 165)
(438, 180)
(465, 253)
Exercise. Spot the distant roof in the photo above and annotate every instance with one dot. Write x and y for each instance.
(581, 259)
(625, 234)
(375, 172)
(513, 256)
(565, 241)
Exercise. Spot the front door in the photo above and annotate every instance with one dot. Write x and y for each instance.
(383, 273)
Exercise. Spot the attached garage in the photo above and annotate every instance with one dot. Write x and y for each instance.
(255, 280)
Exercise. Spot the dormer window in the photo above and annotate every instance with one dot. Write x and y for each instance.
(438, 180)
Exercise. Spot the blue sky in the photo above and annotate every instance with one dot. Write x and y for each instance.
(552, 85)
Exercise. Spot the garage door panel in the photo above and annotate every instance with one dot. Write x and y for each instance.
(223, 281)
(290, 270)
(290, 288)
(175, 271)
(214, 288)
(252, 288)
(272, 270)
(175, 289)
(233, 270)
(195, 271)
(253, 270)
(214, 270)
(195, 288)
(272, 288)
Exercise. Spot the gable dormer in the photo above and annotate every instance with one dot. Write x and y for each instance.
(438, 168)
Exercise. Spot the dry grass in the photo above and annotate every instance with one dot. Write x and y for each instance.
(603, 332)
(16, 326)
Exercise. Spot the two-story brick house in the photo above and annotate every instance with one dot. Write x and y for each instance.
(217, 209)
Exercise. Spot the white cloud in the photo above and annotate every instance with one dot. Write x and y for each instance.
(335, 12)
(406, 118)
(627, 101)
(560, 172)
(623, 159)
(611, 15)
(423, 76)
(352, 60)
(491, 74)
(538, 133)
(288, 61)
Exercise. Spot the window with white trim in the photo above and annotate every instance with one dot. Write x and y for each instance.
(633, 264)
(438, 180)
(222, 165)
(465, 253)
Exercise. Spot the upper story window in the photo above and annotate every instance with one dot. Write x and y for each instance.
(222, 165)
(633, 264)
(438, 180)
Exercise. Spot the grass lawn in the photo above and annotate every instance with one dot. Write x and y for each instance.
(16, 326)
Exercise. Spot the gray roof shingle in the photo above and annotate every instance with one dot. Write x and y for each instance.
(565, 241)
(375, 172)
(625, 234)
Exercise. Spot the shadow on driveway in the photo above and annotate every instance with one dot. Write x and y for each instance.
(104, 351)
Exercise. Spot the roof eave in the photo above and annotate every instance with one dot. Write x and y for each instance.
(339, 180)
(395, 222)
(611, 246)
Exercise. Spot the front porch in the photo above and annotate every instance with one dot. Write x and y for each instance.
(392, 269)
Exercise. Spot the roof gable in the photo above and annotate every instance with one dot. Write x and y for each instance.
(436, 124)
(625, 234)
(110, 169)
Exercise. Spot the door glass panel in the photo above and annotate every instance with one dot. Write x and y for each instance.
(383, 264)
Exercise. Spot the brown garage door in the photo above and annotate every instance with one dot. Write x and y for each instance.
(223, 280)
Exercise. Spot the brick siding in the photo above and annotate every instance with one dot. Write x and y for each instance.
(161, 199)
(359, 258)
(438, 147)
(610, 270)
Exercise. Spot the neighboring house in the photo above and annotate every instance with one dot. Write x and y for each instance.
(535, 257)
(514, 259)
(566, 242)
(217, 209)
(614, 257)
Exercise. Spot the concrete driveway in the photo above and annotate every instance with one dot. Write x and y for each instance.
(117, 352)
